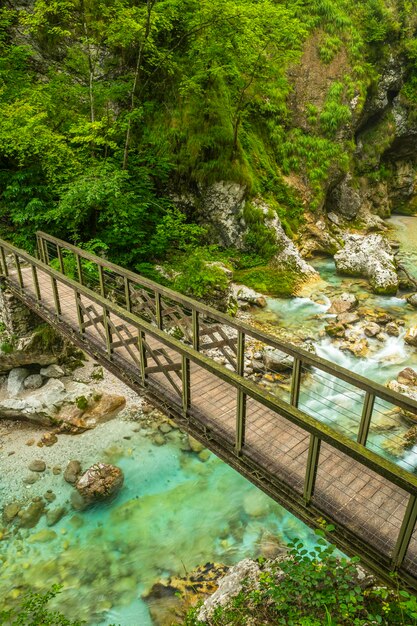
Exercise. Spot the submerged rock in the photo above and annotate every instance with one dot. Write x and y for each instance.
(369, 256)
(37, 465)
(346, 302)
(411, 336)
(30, 517)
(99, 482)
(276, 360)
(72, 471)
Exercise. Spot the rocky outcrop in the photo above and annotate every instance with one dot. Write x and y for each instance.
(42, 347)
(371, 257)
(100, 482)
(245, 296)
(246, 571)
(72, 406)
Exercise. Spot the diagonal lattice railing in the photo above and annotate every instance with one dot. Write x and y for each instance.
(309, 466)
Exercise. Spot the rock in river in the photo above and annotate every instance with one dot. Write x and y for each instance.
(99, 482)
(369, 256)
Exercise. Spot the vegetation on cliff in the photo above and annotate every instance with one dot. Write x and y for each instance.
(112, 109)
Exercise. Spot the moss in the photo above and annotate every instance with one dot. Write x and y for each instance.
(81, 403)
(269, 280)
(45, 338)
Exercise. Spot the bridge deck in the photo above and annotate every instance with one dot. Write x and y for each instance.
(345, 490)
(132, 328)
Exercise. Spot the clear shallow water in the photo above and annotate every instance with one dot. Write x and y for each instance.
(306, 316)
(174, 513)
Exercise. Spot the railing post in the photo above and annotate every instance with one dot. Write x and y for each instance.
(56, 296)
(19, 271)
(311, 470)
(45, 252)
(39, 248)
(406, 532)
(368, 407)
(241, 396)
(196, 330)
(186, 384)
(158, 309)
(79, 268)
(101, 280)
(60, 259)
(108, 332)
(127, 294)
(295, 382)
(36, 282)
(79, 313)
(5, 269)
(142, 352)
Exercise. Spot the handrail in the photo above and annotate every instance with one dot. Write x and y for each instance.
(308, 358)
(396, 474)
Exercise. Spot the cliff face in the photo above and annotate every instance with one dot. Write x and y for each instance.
(122, 125)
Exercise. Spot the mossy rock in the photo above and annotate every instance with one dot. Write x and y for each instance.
(269, 280)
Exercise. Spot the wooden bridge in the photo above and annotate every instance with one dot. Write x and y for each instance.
(163, 344)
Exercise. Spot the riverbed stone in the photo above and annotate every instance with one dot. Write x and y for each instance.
(369, 256)
(54, 515)
(99, 482)
(72, 471)
(411, 336)
(372, 329)
(392, 329)
(34, 381)
(30, 516)
(276, 360)
(407, 376)
(195, 445)
(10, 511)
(344, 303)
(37, 465)
(412, 299)
(15, 381)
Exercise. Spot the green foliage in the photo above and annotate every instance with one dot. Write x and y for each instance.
(81, 403)
(198, 277)
(314, 587)
(259, 240)
(34, 611)
(269, 280)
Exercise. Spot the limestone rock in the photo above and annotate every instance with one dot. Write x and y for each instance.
(411, 336)
(346, 302)
(37, 465)
(248, 295)
(99, 482)
(52, 371)
(369, 256)
(34, 381)
(72, 471)
(392, 329)
(276, 360)
(10, 511)
(54, 515)
(30, 517)
(407, 376)
(15, 381)
(229, 587)
(195, 445)
(412, 299)
(372, 329)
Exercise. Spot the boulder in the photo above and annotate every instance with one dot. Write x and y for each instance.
(411, 336)
(54, 515)
(15, 381)
(72, 471)
(412, 299)
(10, 511)
(392, 329)
(52, 371)
(37, 465)
(372, 329)
(99, 482)
(346, 302)
(369, 256)
(34, 381)
(276, 360)
(30, 517)
(247, 295)
(407, 376)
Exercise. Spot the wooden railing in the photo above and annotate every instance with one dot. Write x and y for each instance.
(138, 328)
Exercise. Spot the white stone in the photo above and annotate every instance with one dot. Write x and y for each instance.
(34, 381)
(52, 371)
(369, 256)
(15, 381)
(229, 587)
(276, 360)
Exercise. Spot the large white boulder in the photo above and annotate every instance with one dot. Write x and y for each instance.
(369, 256)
